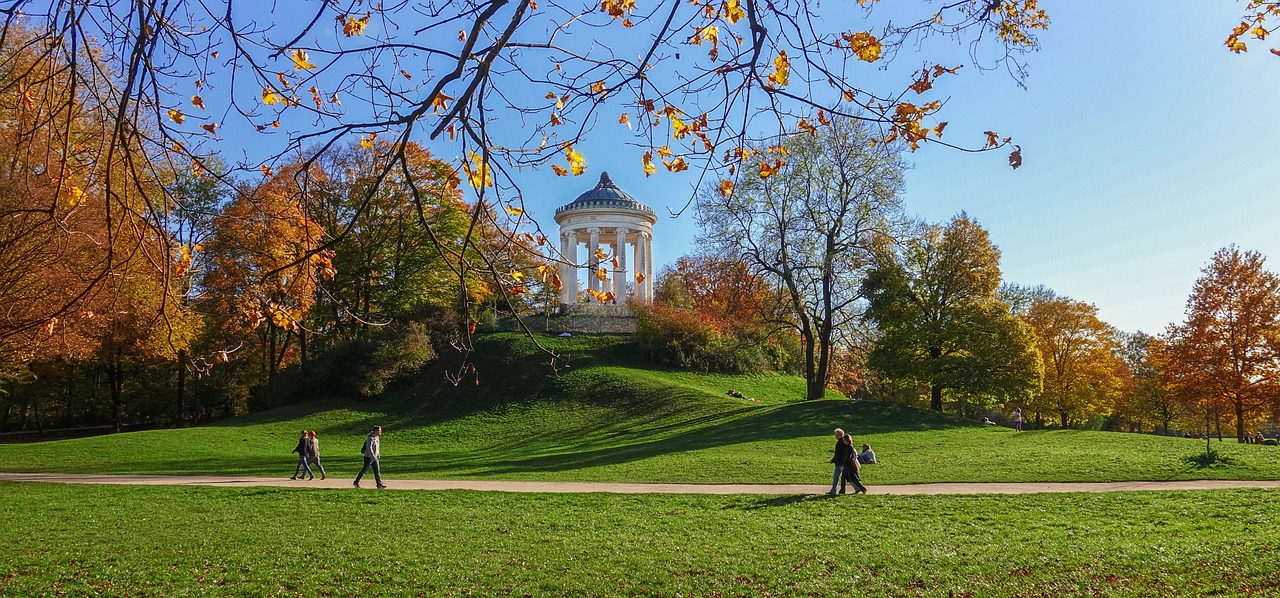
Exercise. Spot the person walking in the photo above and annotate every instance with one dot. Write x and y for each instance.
(302, 449)
(372, 453)
(851, 469)
(840, 457)
(1017, 420)
(313, 452)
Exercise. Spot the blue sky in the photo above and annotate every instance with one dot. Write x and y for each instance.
(1147, 146)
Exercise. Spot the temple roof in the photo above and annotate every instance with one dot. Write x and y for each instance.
(605, 195)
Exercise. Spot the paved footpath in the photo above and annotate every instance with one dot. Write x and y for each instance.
(511, 486)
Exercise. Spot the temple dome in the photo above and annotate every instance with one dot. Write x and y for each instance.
(605, 195)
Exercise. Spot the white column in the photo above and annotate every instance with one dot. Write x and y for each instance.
(620, 273)
(572, 258)
(565, 297)
(639, 251)
(593, 263)
(648, 267)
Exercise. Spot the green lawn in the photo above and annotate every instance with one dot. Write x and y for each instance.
(169, 541)
(610, 418)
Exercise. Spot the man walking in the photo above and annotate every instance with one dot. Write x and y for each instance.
(372, 452)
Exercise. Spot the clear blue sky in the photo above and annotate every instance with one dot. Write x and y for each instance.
(1147, 146)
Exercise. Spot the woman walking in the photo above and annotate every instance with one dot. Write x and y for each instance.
(313, 452)
(304, 444)
(852, 469)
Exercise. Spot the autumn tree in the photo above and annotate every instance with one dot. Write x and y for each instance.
(262, 274)
(1226, 348)
(808, 225)
(934, 301)
(1083, 374)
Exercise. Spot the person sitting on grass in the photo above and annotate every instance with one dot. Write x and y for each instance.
(867, 456)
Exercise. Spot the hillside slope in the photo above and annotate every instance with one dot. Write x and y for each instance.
(610, 416)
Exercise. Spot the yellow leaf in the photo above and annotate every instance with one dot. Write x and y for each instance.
(664, 152)
(75, 196)
(266, 170)
(517, 276)
(726, 187)
(864, 45)
(767, 170)
(478, 176)
(598, 87)
(649, 168)
(514, 211)
(300, 61)
(624, 119)
(602, 274)
(270, 97)
(782, 70)
(352, 26)
(176, 116)
(577, 165)
(732, 11)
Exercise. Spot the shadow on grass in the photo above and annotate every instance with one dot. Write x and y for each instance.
(756, 504)
(1208, 459)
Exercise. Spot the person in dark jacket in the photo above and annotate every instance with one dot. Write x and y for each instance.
(851, 469)
(839, 459)
(372, 451)
(303, 449)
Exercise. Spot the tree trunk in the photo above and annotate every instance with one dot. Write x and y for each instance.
(115, 379)
(1239, 423)
(182, 387)
(935, 389)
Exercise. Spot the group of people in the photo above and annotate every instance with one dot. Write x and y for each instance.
(308, 451)
(849, 462)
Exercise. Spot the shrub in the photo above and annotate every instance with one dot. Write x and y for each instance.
(687, 339)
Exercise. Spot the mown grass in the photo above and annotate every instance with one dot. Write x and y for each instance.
(611, 417)
(167, 541)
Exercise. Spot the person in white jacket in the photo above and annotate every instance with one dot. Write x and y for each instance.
(372, 452)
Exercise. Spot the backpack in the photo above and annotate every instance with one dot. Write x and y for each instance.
(364, 447)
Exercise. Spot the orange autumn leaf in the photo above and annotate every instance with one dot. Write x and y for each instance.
(559, 170)
(212, 128)
(649, 168)
(198, 102)
(177, 116)
(767, 170)
(726, 187)
(439, 103)
(624, 119)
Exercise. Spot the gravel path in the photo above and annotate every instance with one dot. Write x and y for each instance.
(511, 486)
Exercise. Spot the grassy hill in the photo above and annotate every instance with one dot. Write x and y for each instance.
(610, 416)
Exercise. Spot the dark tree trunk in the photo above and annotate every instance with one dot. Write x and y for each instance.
(115, 380)
(182, 387)
(935, 389)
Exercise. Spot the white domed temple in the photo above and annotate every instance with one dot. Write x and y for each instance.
(608, 221)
